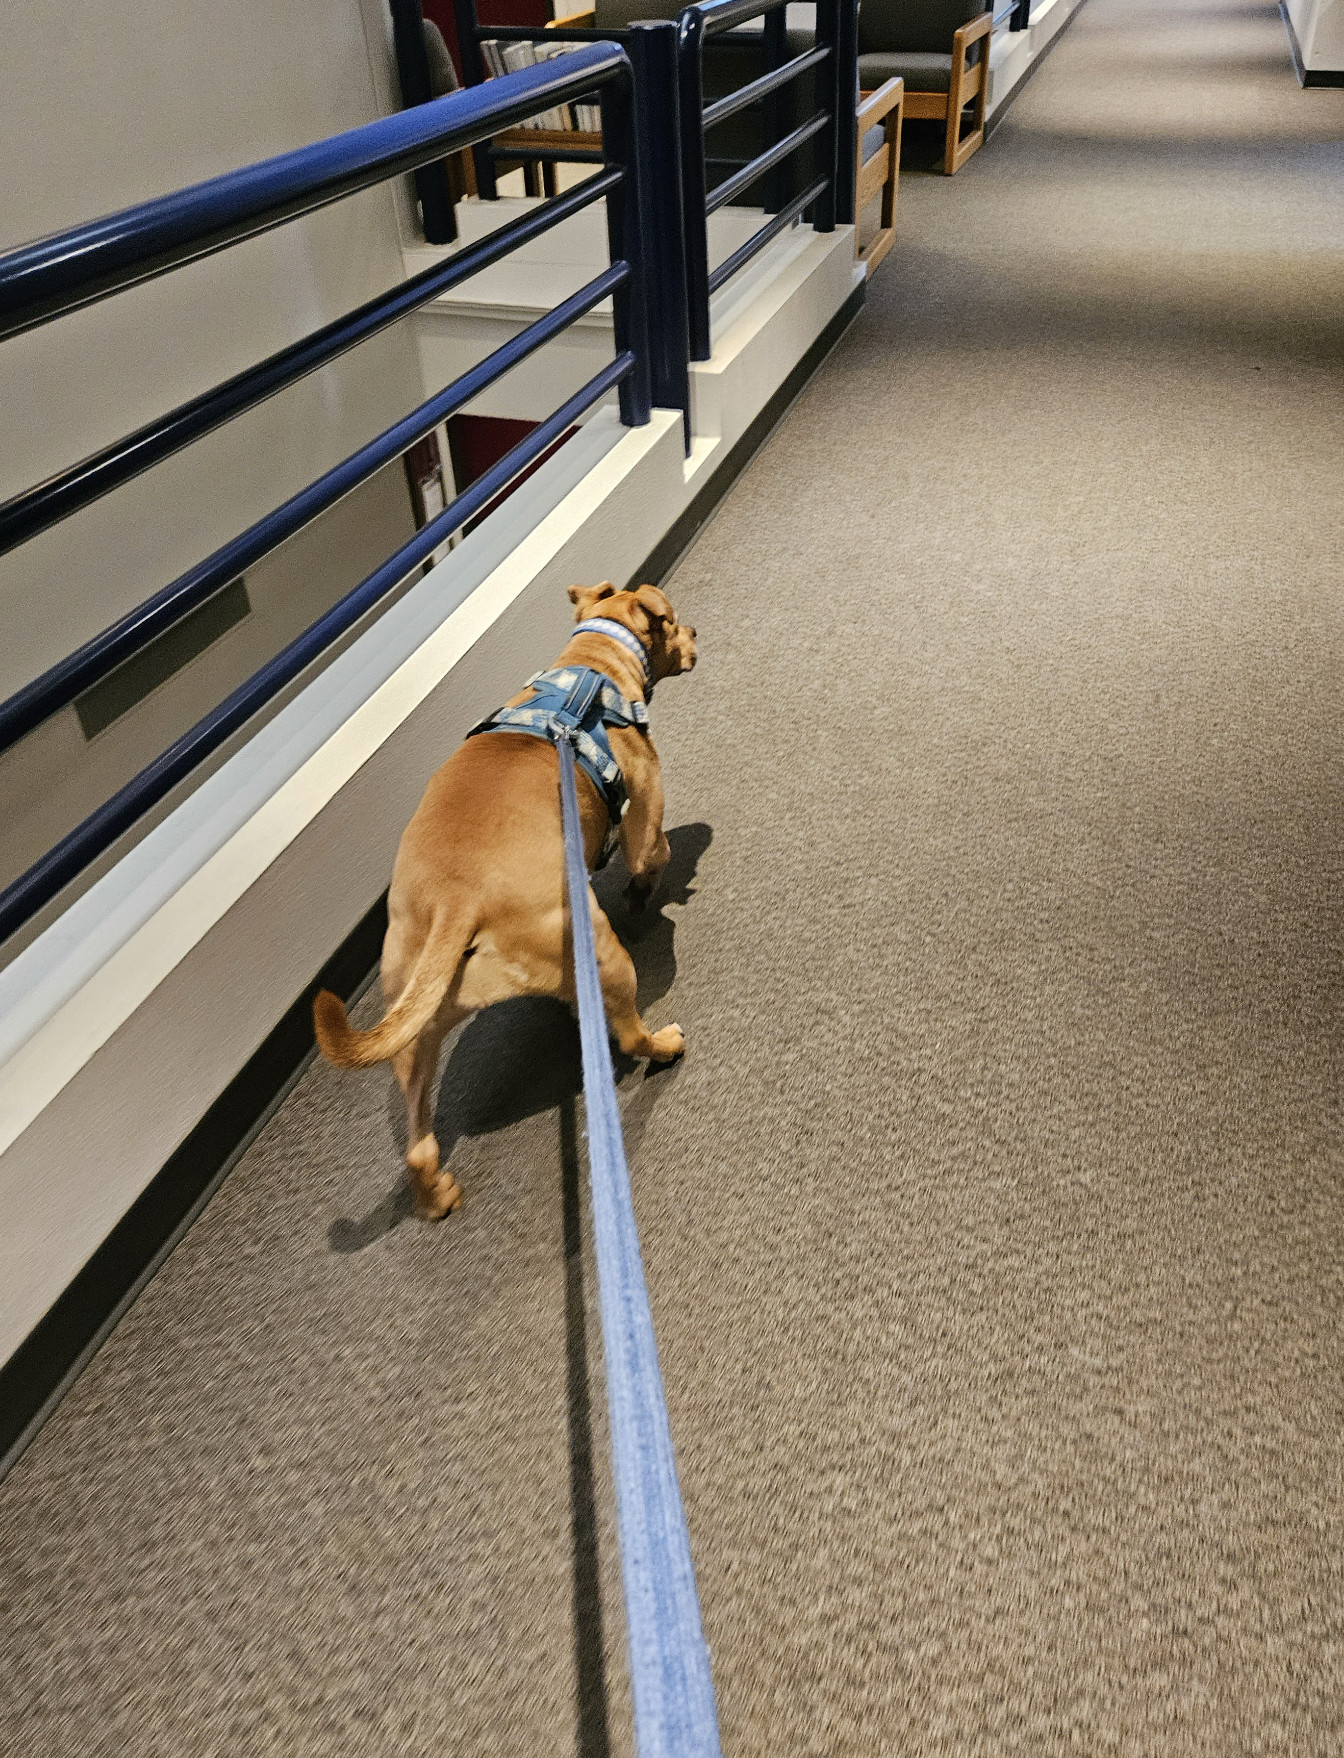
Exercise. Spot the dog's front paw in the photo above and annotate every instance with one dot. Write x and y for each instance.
(668, 1044)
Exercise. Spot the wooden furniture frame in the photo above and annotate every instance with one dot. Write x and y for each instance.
(539, 174)
(967, 83)
(882, 172)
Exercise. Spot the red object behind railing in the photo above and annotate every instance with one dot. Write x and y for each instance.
(477, 442)
(535, 13)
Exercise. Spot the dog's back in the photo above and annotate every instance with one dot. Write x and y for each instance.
(477, 895)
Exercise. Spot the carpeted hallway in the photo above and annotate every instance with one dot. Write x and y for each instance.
(994, 1221)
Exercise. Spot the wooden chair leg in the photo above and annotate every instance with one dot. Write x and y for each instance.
(951, 141)
(958, 149)
(882, 172)
(967, 83)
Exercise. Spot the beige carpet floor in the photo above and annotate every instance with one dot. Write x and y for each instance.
(995, 1219)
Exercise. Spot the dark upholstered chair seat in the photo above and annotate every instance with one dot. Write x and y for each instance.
(921, 71)
(873, 141)
(912, 24)
(940, 48)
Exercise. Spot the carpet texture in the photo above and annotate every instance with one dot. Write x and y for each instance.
(994, 1221)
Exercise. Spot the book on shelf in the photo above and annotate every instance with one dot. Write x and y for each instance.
(517, 56)
(502, 58)
(585, 117)
(561, 119)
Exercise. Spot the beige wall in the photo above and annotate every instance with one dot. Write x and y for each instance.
(109, 103)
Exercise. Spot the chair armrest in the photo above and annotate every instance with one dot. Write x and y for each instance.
(971, 33)
(575, 21)
(873, 106)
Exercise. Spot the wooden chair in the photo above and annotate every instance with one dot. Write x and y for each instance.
(927, 43)
(878, 172)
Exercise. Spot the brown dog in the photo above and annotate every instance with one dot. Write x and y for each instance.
(476, 912)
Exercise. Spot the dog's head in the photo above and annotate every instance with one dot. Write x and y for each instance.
(646, 612)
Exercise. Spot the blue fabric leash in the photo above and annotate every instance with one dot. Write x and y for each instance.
(670, 1679)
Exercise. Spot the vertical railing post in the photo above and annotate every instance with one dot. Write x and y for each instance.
(431, 182)
(690, 97)
(473, 73)
(829, 91)
(652, 48)
(1020, 17)
(630, 317)
(847, 108)
(774, 38)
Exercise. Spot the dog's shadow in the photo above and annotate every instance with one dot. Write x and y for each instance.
(521, 1057)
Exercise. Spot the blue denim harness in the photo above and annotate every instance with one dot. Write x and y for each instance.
(577, 704)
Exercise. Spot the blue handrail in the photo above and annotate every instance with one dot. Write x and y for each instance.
(35, 510)
(752, 93)
(26, 895)
(66, 679)
(42, 281)
(732, 187)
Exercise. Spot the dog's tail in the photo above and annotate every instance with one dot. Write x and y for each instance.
(410, 1013)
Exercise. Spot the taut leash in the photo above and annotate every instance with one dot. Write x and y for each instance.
(670, 1678)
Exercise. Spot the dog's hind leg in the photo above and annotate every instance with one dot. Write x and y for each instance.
(617, 973)
(436, 1191)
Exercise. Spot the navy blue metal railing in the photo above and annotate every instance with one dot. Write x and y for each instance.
(830, 68)
(1017, 16)
(651, 45)
(42, 281)
(830, 65)
(431, 182)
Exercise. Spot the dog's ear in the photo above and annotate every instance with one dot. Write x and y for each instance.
(585, 597)
(655, 604)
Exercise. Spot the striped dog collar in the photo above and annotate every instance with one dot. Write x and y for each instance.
(617, 632)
